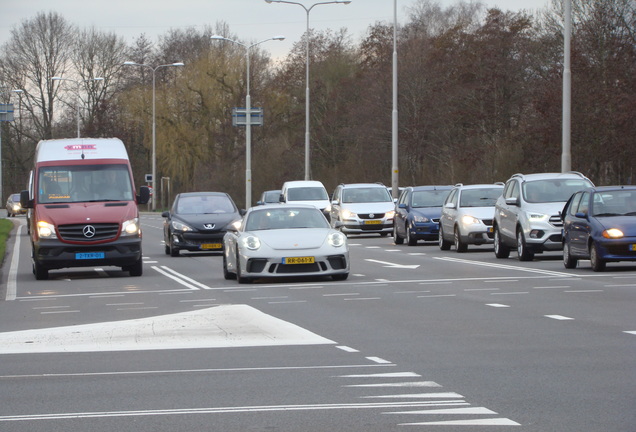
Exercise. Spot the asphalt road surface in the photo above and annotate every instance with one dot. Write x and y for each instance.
(416, 339)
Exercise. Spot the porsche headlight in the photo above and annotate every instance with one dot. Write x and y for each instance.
(130, 227)
(613, 233)
(46, 230)
(251, 242)
(336, 239)
(180, 226)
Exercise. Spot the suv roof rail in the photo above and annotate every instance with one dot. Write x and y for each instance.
(500, 183)
(459, 184)
(577, 173)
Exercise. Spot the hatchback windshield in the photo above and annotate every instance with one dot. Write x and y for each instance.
(204, 204)
(480, 197)
(285, 218)
(614, 203)
(553, 190)
(366, 195)
(429, 198)
(81, 183)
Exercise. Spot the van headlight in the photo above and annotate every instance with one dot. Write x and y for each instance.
(130, 227)
(46, 230)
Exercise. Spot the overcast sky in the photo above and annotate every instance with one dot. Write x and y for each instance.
(250, 20)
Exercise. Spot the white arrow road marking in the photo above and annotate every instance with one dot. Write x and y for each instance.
(215, 327)
(478, 422)
(393, 265)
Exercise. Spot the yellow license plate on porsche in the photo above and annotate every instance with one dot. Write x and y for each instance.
(208, 246)
(372, 222)
(299, 260)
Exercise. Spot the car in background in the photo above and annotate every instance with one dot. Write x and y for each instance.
(527, 215)
(269, 197)
(309, 192)
(467, 216)
(14, 207)
(599, 224)
(417, 214)
(283, 241)
(362, 208)
(197, 221)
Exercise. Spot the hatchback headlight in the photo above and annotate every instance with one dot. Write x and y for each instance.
(613, 233)
(336, 239)
(46, 230)
(422, 219)
(130, 228)
(180, 226)
(251, 242)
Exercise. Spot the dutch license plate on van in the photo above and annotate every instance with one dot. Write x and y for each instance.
(298, 260)
(89, 255)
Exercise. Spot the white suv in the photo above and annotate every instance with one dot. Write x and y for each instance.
(527, 215)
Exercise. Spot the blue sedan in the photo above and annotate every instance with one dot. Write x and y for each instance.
(417, 214)
(599, 224)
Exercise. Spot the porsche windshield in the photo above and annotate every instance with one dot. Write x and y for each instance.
(285, 218)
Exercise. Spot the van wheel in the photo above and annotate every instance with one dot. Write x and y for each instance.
(40, 272)
(137, 269)
(524, 253)
(501, 250)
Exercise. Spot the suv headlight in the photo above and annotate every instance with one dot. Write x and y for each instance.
(251, 242)
(180, 226)
(130, 228)
(46, 230)
(538, 217)
(336, 239)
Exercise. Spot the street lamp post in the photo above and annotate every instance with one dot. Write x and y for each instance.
(307, 10)
(248, 114)
(78, 83)
(394, 113)
(154, 123)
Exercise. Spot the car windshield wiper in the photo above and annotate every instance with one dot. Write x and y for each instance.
(608, 214)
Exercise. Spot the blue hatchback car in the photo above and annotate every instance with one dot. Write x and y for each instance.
(599, 224)
(417, 214)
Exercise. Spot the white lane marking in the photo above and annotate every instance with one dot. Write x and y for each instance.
(559, 317)
(440, 395)
(553, 287)
(347, 349)
(472, 410)
(178, 280)
(630, 332)
(216, 327)
(360, 299)
(400, 384)
(184, 277)
(340, 294)
(497, 305)
(392, 250)
(12, 285)
(477, 422)
(504, 266)
(482, 289)
(583, 291)
(221, 410)
(58, 312)
(287, 302)
(393, 265)
(383, 375)
(378, 360)
(438, 295)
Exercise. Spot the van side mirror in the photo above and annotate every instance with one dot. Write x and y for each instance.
(144, 195)
(281, 198)
(25, 202)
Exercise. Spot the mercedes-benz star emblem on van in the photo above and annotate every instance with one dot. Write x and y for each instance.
(208, 226)
(89, 231)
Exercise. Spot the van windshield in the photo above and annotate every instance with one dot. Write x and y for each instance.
(307, 194)
(84, 183)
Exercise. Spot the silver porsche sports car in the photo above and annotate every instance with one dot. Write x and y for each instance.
(284, 240)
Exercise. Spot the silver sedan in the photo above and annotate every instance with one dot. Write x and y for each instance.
(282, 241)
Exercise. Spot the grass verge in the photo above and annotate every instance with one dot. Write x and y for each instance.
(5, 228)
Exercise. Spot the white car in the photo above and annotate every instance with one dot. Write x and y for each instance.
(283, 241)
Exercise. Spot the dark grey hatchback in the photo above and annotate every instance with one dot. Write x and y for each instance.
(198, 221)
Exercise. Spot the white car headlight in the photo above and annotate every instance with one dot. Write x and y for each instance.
(336, 239)
(346, 214)
(130, 228)
(538, 217)
(389, 214)
(613, 233)
(180, 226)
(469, 220)
(46, 230)
(251, 242)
